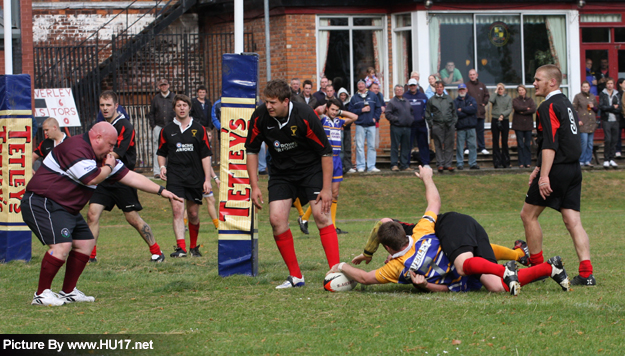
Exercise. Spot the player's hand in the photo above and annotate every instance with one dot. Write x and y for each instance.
(418, 280)
(257, 198)
(218, 182)
(207, 186)
(533, 175)
(163, 173)
(358, 259)
(544, 187)
(110, 160)
(326, 200)
(334, 269)
(424, 172)
(171, 196)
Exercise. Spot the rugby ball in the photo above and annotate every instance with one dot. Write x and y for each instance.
(338, 282)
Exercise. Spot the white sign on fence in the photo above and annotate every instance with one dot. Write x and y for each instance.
(57, 103)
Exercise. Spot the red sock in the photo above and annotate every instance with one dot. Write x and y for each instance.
(505, 286)
(284, 241)
(527, 275)
(76, 263)
(330, 243)
(155, 249)
(536, 258)
(479, 265)
(585, 268)
(182, 244)
(93, 253)
(50, 265)
(193, 231)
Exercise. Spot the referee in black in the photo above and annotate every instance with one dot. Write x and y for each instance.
(556, 182)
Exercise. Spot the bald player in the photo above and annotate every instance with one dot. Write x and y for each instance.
(53, 137)
(556, 182)
(53, 200)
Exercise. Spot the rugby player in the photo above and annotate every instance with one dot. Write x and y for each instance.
(108, 195)
(56, 194)
(451, 251)
(556, 182)
(54, 137)
(333, 124)
(184, 145)
(301, 167)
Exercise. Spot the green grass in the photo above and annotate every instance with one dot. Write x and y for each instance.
(193, 311)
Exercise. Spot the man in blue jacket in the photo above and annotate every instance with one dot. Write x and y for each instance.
(419, 129)
(365, 104)
(466, 108)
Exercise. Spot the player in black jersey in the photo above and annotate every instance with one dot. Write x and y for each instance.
(110, 194)
(301, 167)
(557, 180)
(184, 145)
(54, 137)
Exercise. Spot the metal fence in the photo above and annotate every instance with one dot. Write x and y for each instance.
(186, 60)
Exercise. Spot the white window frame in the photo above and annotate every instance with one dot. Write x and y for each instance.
(350, 27)
(394, 44)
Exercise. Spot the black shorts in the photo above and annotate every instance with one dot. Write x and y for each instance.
(408, 228)
(305, 188)
(459, 233)
(116, 194)
(51, 222)
(566, 182)
(193, 194)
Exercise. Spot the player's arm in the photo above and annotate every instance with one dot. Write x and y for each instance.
(253, 144)
(327, 166)
(105, 171)
(432, 196)
(544, 185)
(355, 273)
(127, 134)
(419, 281)
(206, 166)
(141, 182)
(35, 157)
(349, 117)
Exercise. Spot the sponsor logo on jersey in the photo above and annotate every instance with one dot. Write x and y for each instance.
(194, 132)
(65, 232)
(293, 130)
(420, 255)
(280, 147)
(184, 147)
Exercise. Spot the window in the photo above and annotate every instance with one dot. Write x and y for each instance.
(595, 34)
(348, 45)
(403, 48)
(504, 48)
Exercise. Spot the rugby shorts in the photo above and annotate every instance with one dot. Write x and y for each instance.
(565, 181)
(187, 193)
(337, 172)
(306, 188)
(459, 233)
(116, 194)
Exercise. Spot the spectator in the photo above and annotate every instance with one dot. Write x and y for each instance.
(365, 104)
(585, 104)
(371, 78)
(295, 86)
(414, 75)
(477, 90)
(441, 117)
(306, 97)
(621, 91)
(610, 106)
(201, 108)
(321, 94)
(399, 114)
(330, 92)
(523, 125)
(431, 90)
(216, 116)
(590, 77)
(161, 113)
(450, 75)
(419, 129)
(602, 75)
(346, 139)
(466, 109)
(375, 88)
(500, 125)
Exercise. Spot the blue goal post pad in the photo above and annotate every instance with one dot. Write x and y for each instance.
(238, 231)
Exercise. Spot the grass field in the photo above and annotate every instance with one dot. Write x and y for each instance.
(192, 311)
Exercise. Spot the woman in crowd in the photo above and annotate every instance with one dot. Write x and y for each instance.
(585, 103)
(523, 124)
(500, 125)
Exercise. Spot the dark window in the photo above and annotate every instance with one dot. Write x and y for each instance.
(536, 47)
(595, 34)
(499, 49)
(619, 34)
(337, 65)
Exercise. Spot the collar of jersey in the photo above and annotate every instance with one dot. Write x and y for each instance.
(404, 251)
(180, 125)
(63, 139)
(553, 93)
(287, 118)
(119, 117)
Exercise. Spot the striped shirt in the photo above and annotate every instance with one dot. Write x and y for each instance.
(333, 130)
(425, 256)
(65, 173)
